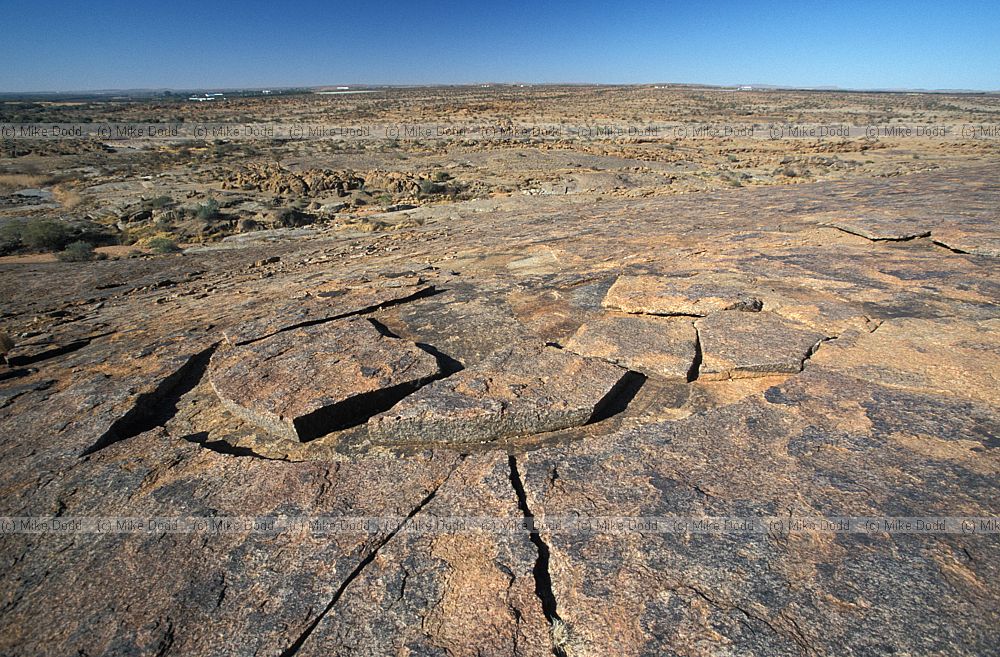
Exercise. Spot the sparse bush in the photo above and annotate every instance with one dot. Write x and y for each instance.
(67, 196)
(162, 245)
(429, 187)
(208, 210)
(79, 252)
(45, 235)
(441, 176)
(158, 203)
(10, 237)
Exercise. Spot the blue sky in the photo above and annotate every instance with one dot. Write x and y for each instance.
(106, 44)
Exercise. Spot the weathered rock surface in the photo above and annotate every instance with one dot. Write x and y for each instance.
(515, 392)
(736, 345)
(307, 382)
(657, 346)
(699, 294)
(107, 410)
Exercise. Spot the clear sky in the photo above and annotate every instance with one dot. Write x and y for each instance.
(65, 45)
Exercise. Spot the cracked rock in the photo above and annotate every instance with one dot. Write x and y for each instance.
(701, 294)
(322, 305)
(656, 346)
(877, 229)
(515, 392)
(741, 345)
(976, 240)
(307, 382)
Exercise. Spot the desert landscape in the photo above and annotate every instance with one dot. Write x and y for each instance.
(444, 393)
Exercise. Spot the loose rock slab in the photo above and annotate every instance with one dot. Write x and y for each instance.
(742, 345)
(307, 382)
(658, 346)
(515, 392)
(695, 295)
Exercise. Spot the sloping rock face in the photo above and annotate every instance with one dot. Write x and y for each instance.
(514, 392)
(415, 541)
(307, 382)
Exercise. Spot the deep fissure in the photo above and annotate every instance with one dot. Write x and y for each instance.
(695, 368)
(540, 571)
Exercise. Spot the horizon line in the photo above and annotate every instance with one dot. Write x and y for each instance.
(378, 85)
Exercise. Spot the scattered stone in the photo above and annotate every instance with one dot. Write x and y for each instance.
(267, 261)
(308, 382)
(657, 346)
(698, 295)
(515, 392)
(740, 345)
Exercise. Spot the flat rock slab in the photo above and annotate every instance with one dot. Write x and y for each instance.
(738, 345)
(659, 346)
(310, 381)
(701, 294)
(515, 392)
(322, 305)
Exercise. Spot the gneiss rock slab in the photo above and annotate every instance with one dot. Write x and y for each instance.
(307, 382)
(514, 392)
(659, 346)
(741, 345)
(701, 294)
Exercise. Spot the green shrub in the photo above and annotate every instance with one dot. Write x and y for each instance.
(428, 187)
(163, 245)
(79, 252)
(208, 210)
(158, 203)
(45, 235)
(441, 176)
(10, 237)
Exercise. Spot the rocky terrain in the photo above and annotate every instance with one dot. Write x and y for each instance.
(828, 348)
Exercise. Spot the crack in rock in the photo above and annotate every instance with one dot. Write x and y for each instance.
(368, 559)
(542, 575)
(950, 248)
(222, 447)
(877, 235)
(695, 369)
(233, 338)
